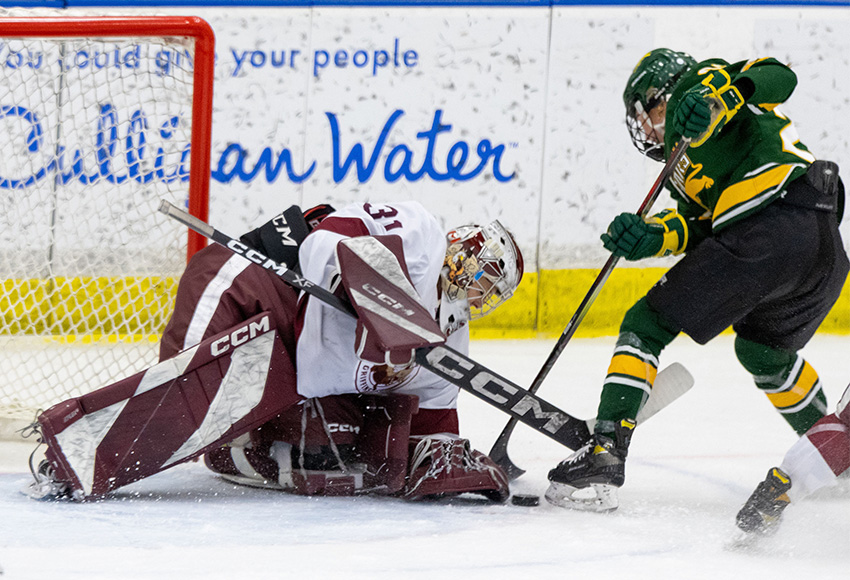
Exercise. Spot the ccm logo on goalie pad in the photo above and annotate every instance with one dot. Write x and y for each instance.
(240, 336)
(343, 428)
(394, 304)
(496, 389)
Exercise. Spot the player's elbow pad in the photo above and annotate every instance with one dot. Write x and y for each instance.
(675, 232)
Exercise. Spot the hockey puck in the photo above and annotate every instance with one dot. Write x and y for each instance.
(525, 500)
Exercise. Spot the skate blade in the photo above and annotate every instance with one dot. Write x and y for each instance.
(742, 541)
(252, 482)
(46, 491)
(597, 497)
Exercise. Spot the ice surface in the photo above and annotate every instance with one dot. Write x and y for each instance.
(690, 469)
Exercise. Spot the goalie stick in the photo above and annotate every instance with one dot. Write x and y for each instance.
(499, 452)
(441, 360)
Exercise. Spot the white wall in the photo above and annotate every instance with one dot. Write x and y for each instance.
(538, 88)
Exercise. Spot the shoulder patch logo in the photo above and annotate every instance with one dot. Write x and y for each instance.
(694, 185)
(684, 180)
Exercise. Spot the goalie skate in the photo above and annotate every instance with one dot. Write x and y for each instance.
(287, 475)
(444, 465)
(46, 487)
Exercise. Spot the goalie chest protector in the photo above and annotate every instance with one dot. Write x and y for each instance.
(172, 412)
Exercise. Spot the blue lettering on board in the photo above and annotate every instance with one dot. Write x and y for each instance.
(400, 163)
(118, 158)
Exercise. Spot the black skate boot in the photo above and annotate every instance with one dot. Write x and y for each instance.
(763, 511)
(588, 479)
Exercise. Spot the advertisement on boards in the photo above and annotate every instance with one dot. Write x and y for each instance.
(479, 113)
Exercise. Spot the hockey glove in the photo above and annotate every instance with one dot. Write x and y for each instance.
(631, 237)
(706, 108)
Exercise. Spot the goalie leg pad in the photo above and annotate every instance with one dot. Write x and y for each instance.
(831, 438)
(172, 412)
(241, 459)
(383, 443)
(442, 465)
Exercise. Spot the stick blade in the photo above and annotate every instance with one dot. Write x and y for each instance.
(512, 470)
(499, 452)
(670, 384)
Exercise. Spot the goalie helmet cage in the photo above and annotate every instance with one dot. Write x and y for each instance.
(100, 119)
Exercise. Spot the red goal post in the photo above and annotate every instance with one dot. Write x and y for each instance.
(100, 117)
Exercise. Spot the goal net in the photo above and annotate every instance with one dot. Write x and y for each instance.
(100, 119)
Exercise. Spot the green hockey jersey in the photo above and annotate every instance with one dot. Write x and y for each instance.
(749, 161)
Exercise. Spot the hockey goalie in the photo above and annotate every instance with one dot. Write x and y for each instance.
(286, 392)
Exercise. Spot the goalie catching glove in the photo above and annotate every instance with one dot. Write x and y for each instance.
(445, 465)
(705, 109)
(634, 238)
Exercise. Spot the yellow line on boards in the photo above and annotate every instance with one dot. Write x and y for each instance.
(127, 308)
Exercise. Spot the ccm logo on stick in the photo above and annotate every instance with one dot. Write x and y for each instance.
(488, 386)
(268, 264)
(240, 336)
(256, 257)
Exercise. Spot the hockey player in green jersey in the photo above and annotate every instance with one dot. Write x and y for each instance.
(757, 221)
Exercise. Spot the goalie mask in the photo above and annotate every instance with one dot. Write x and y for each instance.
(650, 84)
(483, 267)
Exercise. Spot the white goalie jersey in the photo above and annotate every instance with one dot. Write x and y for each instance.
(326, 359)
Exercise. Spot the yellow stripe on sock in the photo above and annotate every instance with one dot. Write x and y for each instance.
(626, 364)
(803, 385)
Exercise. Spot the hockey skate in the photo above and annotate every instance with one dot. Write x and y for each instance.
(46, 486)
(763, 511)
(282, 467)
(588, 479)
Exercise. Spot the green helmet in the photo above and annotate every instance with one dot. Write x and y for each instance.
(653, 79)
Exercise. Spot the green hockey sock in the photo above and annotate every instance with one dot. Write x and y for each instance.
(633, 367)
(790, 383)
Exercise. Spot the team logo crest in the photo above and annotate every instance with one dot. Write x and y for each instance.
(371, 378)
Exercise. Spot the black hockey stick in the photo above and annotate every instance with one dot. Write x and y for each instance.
(499, 452)
(441, 360)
